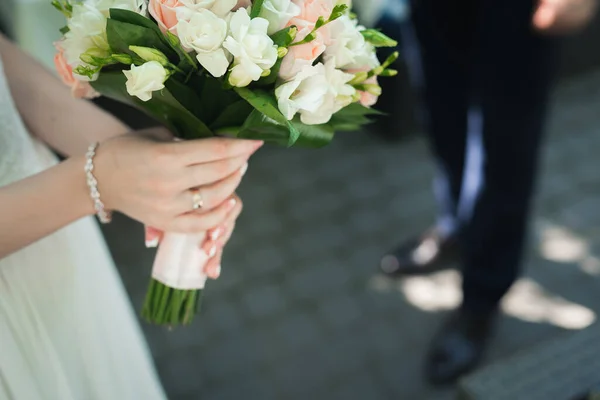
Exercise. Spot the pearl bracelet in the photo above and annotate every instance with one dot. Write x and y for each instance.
(105, 216)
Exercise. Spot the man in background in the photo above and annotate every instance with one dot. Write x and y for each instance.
(485, 68)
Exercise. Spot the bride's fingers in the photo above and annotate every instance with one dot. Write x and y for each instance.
(225, 229)
(211, 195)
(210, 247)
(212, 269)
(228, 232)
(193, 222)
(153, 236)
(204, 174)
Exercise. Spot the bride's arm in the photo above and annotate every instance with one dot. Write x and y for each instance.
(138, 175)
(35, 207)
(49, 110)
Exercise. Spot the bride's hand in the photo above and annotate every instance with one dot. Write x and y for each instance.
(216, 239)
(152, 180)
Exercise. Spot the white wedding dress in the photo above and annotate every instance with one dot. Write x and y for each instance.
(67, 330)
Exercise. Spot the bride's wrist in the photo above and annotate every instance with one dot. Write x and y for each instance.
(102, 212)
(79, 192)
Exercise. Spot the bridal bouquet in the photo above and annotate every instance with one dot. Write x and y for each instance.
(283, 71)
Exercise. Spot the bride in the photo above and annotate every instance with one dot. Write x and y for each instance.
(67, 330)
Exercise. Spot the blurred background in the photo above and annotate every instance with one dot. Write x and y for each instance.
(300, 311)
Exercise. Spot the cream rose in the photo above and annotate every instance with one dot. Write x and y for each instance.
(204, 33)
(218, 7)
(348, 46)
(304, 93)
(253, 50)
(316, 93)
(145, 79)
(278, 13)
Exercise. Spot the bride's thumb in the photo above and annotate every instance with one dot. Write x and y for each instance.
(545, 15)
(153, 236)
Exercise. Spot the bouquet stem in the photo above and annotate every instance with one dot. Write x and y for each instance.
(167, 306)
(174, 293)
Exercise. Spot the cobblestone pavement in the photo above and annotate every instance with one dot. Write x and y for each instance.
(299, 312)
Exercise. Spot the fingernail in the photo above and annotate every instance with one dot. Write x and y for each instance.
(151, 243)
(214, 235)
(232, 203)
(244, 169)
(212, 251)
(218, 271)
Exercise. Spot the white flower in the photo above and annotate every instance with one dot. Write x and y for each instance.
(218, 7)
(204, 33)
(317, 92)
(253, 50)
(348, 46)
(145, 79)
(278, 13)
(87, 29)
(304, 93)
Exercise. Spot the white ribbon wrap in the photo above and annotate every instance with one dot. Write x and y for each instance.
(180, 261)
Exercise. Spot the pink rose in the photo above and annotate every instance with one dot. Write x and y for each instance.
(369, 99)
(242, 4)
(310, 11)
(305, 54)
(300, 56)
(79, 89)
(164, 12)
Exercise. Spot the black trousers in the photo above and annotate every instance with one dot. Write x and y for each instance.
(484, 72)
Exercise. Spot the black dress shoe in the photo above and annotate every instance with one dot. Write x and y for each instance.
(458, 347)
(423, 255)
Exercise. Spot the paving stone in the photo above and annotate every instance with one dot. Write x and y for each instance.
(300, 312)
(299, 330)
(359, 386)
(341, 311)
(264, 300)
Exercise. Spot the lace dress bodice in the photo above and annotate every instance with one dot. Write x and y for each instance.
(19, 152)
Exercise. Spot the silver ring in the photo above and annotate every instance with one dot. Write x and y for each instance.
(197, 201)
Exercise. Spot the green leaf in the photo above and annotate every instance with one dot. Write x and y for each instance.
(352, 117)
(163, 106)
(133, 18)
(170, 41)
(186, 96)
(258, 127)
(64, 30)
(256, 8)
(267, 104)
(284, 37)
(233, 115)
(314, 135)
(186, 61)
(121, 35)
(263, 102)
